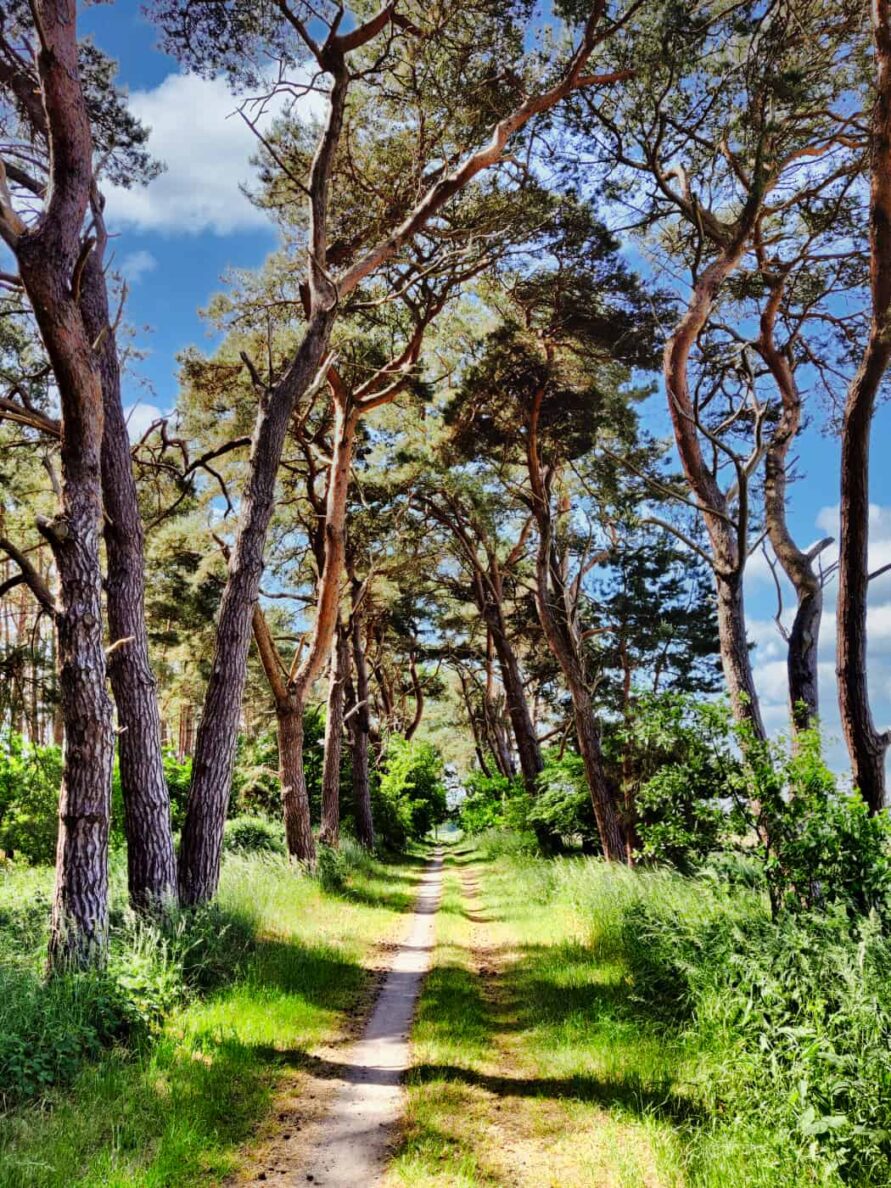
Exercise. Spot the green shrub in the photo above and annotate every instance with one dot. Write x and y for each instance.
(491, 802)
(47, 1030)
(209, 945)
(30, 777)
(683, 771)
(820, 846)
(334, 866)
(410, 797)
(254, 835)
(50, 1028)
(562, 809)
(256, 789)
(790, 1019)
(178, 774)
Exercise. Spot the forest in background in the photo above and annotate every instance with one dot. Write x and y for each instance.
(407, 549)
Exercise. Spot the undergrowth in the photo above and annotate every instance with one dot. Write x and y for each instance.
(49, 1029)
(783, 1026)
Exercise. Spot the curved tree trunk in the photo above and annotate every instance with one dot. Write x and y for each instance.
(557, 618)
(329, 834)
(804, 638)
(295, 801)
(300, 842)
(734, 643)
(728, 539)
(202, 837)
(609, 825)
(866, 745)
(418, 694)
(48, 253)
(151, 862)
(528, 750)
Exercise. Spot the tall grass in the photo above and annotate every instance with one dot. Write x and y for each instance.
(156, 1071)
(782, 1030)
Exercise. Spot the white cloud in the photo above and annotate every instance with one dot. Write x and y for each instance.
(771, 681)
(139, 416)
(765, 634)
(206, 147)
(135, 265)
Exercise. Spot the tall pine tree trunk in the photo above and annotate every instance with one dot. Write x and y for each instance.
(202, 837)
(360, 727)
(295, 800)
(528, 749)
(48, 253)
(557, 618)
(867, 746)
(728, 539)
(798, 565)
(80, 905)
(735, 650)
(151, 862)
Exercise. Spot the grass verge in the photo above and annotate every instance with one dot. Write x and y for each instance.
(590, 1026)
(282, 966)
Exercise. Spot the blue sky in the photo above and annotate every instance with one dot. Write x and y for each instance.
(176, 238)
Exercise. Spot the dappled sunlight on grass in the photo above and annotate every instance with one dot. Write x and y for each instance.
(539, 1058)
(180, 1109)
(529, 1066)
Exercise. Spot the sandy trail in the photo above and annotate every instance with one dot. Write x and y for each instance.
(351, 1143)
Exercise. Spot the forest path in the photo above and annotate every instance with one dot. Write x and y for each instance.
(527, 1069)
(349, 1142)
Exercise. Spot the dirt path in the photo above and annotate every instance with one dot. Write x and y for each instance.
(347, 1142)
(523, 1089)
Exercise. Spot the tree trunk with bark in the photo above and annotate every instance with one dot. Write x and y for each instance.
(867, 746)
(202, 837)
(567, 655)
(295, 803)
(734, 644)
(803, 639)
(360, 725)
(50, 255)
(329, 834)
(528, 749)
(151, 861)
(557, 618)
(728, 538)
(418, 694)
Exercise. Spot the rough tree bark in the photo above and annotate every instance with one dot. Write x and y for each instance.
(151, 861)
(329, 833)
(798, 565)
(289, 717)
(418, 694)
(867, 746)
(202, 838)
(528, 749)
(50, 255)
(494, 706)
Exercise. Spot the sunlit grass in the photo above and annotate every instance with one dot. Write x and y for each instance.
(179, 1109)
(535, 1065)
